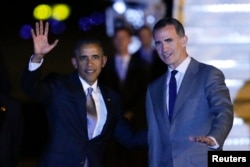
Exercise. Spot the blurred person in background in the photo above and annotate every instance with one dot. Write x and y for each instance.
(5, 84)
(151, 62)
(10, 122)
(124, 74)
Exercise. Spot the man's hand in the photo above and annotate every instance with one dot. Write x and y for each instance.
(40, 41)
(203, 139)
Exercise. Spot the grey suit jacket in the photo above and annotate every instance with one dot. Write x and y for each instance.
(203, 107)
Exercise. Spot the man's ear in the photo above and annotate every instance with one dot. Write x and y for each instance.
(73, 61)
(104, 60)
(184, 41)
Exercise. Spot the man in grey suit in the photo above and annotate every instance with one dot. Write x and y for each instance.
(203, 112)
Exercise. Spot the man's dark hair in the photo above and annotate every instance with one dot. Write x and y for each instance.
(144, 27)
(170, 21)
(87, 41)
(123, 28)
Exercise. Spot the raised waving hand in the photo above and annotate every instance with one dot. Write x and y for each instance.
(40, 41)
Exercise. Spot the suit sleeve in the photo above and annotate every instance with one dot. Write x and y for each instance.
(220, 105)
(126, 134)
(35, 87)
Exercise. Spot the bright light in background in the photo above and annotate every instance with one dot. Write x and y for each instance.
(119, 7)
(222, 8)
(42, 12)
(150, 19)
(238, 121)
(223, 63)
(134, 45)
(135, 17)
(236, 141)
(234, 83)
(60, 12)
(55, 14)
(134, 12)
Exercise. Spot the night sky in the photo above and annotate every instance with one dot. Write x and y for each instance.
(15, 14)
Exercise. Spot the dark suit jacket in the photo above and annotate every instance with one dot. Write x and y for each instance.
(203, 108)
(132, 90)
(5, 85)
(155, 68)
(10, 131)
(64, 99)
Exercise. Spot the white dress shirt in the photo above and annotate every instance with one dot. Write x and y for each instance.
(182, 68)
(121, 65)
(100, 106)
(97, 96)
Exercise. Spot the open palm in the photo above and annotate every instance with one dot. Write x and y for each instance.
(40, 40)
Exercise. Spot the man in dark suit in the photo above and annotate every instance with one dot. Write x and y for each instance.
(147, 55)
(202, 114)
(5, 85)
(10, 122)
(64, 97)
(10, 131)
(125, 74)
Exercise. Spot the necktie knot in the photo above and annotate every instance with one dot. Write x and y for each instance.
(173, 73)
(89, 91)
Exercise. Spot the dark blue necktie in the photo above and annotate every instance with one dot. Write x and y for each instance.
(172, 93)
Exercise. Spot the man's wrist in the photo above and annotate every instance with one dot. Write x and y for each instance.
(216, 146)
(36, 58)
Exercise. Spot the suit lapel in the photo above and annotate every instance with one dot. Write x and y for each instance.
(185, 91)
(160, 101)
(110, 110)
(79, 99)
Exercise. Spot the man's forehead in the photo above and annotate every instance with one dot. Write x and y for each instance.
(90, 48)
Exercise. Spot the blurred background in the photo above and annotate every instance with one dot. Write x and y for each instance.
(218, 32)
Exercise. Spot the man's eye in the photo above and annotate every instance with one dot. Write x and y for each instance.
(96, 56)
(169, 40)
(83, 58)
(157, 43)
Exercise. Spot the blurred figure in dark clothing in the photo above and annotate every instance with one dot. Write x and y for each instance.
(10, 131)
(152, 64)
(10, 122)
(123, 73)
(5, 85)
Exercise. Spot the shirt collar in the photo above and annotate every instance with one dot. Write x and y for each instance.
(86, 85)
(183, 66)
(125, 58)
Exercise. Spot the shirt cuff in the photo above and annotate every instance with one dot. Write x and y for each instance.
(216, 146)
(34, 66)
